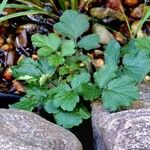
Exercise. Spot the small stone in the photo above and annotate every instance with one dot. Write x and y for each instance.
(1, 41)
(98, 63)
(7, 47)
(131, 3)
(8, 74)
(104, 34)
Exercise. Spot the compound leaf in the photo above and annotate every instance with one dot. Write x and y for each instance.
(47, 44)
(72, 24)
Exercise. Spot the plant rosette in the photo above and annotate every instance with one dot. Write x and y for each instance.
(61, 82)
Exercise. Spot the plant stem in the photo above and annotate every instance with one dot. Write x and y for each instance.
(126, 19)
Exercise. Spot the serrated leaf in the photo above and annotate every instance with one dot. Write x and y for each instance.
(78, 80)
(68, 119)
(26, 67)
(119, 92)
(89, 42)
(24, 105)
(47, 44)
(68, 48)
(49, 107)
(72, 24)
(104, 75)
(130, 47)
(89, 91)
(67, 100)
(137, 65)
(143, 43)
(44, 67)
(56, 60)
(112, 53)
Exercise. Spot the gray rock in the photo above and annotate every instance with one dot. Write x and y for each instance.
(125, 130)
(21, 130)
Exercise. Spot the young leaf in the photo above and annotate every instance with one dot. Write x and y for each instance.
(72, 24)
(89, 42)
(26, 67)
(25, 105)
(55, 60)
(68, 119)
(78, 80)
(143, 43)
(119, 92)
(137, 65)
(112, 53)
(68, 48)
(47, 44)
(49, 107)
(89, 91)
(67, 100)
(104, 75)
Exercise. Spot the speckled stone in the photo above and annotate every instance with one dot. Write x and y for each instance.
(21, 130)
(125, 130)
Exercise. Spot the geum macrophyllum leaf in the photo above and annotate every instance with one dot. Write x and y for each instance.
(112, 53)
(27, 66)
(72, 24)
(137, 65)
(30, 70)
(104, 75)
(89, 42)
(119, 92)
(78, 80)
(89, 91)
(66, 99)
(143, 43)
(47, 44)
(70, 119)
(68, 48)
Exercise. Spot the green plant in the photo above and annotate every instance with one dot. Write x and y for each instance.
(60, 77)
(61, 82)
